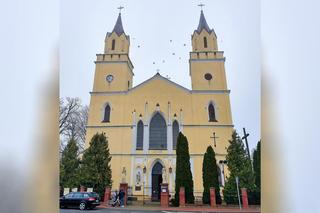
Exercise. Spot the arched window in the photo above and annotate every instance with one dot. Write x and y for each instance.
(158, 132)
(106, 117)
(175, 133)
(212, 114)
(139, 135)
(113, 44)
(205, 44)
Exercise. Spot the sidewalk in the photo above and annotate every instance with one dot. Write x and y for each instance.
(188, 209)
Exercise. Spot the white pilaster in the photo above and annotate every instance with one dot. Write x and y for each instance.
(181, 121)
(132, 172)
(169, 130)
(134, 132)
(146, 130)
(222, 173)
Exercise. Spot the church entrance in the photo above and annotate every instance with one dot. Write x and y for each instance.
(156, 181)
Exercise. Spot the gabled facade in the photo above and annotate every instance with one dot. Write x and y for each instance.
(142, 122)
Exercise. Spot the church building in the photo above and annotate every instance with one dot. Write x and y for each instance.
(142, 122)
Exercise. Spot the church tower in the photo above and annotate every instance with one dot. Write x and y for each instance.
(206, 61)
(114, 67)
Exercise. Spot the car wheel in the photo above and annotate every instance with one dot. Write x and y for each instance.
(82, 206)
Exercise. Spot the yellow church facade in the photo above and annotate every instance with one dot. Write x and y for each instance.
(142, 122)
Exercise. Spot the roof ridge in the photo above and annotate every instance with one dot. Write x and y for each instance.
(158, 75)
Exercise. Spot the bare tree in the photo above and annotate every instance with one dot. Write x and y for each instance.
(72, 122)
(68, 106)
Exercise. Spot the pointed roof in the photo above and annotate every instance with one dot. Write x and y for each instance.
(118, 28)
(203, 24)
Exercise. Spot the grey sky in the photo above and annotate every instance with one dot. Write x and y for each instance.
(152, 24)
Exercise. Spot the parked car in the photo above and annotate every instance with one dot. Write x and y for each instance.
(82, 200)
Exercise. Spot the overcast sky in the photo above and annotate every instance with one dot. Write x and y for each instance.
(151, 25)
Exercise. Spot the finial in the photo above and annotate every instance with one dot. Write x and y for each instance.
(201, 5)
(120, 8)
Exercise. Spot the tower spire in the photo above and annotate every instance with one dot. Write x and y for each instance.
(203, 23)
(118, 28)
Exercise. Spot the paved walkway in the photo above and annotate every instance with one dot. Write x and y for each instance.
(188, 209)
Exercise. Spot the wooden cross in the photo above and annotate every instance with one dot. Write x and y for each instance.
(120, 8)
(214, 138)
(201, 5)
(246, 140)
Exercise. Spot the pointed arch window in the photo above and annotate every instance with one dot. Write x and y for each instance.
(113, 44)
(212, 113)
(139, 135)
(158, 132)
(106, 117)
(175, 133)
(205, 43)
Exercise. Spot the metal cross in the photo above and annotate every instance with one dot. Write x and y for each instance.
(214, 138)
(246, 140)
(120, 8)
(201, 5)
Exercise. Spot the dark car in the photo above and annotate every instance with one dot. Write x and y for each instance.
(81, 200)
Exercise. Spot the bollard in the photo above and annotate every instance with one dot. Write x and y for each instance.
(164, 195)
(244, 196)
(182, 197)
(212, 197)
(107, 194)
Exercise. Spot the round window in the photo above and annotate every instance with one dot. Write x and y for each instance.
(109, 78)
(208, 76)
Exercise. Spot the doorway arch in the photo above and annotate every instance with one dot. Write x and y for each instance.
(156, 180)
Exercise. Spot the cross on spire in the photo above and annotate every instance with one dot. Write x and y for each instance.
(214, 138)
(245, 137)
(120, 8)
(201, 5)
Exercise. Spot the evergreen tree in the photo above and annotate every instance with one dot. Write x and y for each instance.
(183, 171)
(255, 195)
(239, 165)
(95, 167)
(210, 176)
(69, 165)
(256, 165)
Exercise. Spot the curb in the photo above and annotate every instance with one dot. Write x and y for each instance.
(187, 209)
